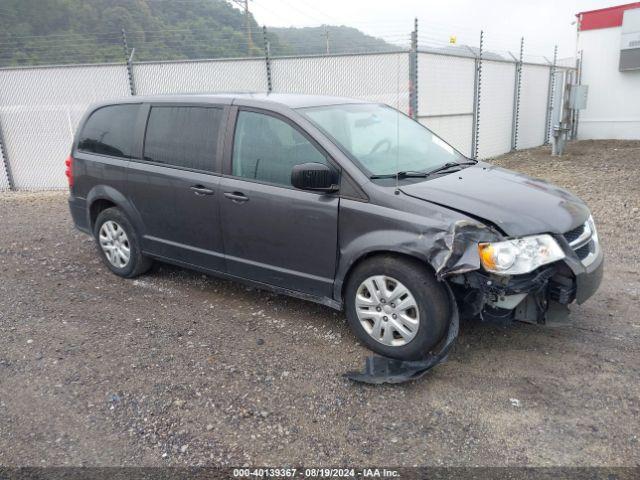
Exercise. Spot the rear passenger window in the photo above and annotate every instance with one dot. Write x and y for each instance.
(110, 131)
(183, 136)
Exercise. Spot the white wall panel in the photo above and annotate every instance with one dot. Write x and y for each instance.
(613, 106)
(455, 130)
(496, 108)
(207, 76)
(533, 105)
(445, 97)
(39, 111)
(382, 78)
(445, 84)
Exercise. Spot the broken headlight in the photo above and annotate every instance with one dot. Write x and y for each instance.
(520, 255)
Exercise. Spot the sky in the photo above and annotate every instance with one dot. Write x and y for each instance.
(543, 23)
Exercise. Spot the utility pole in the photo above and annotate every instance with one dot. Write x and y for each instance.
(578, 80)
(245, 4)
(326, 37)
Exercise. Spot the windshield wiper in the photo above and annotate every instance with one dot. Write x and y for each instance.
(418, 174)
(403, 174)
(449, 165)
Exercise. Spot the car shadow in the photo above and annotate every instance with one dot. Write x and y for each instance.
(474, 334)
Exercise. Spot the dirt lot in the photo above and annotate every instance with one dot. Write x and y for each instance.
(178, 368)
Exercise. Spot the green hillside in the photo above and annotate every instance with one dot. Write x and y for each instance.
(88, 31)
(313, 40)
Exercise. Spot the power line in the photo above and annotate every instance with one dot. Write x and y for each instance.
(157, 35)
(306, 15)
(319, 11)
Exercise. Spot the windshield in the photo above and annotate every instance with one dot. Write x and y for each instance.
(383, 140)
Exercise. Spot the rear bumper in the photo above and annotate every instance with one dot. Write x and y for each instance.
(78, 209)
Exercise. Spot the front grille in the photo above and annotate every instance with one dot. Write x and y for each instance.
(583, 251)
(574, 234)
(581, 240)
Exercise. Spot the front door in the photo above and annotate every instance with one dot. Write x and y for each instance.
(274, 233)
(174, 186)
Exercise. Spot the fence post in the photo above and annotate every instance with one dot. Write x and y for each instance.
(267, 58)
(5, 158)
(129, 59)
(413, 72)
(516, 98)
(550, 94)
(578, 80)
(475, 134)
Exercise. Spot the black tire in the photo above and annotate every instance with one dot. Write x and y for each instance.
(138, 263)
(431, 298)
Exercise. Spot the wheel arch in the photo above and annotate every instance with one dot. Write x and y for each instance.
(365, 256)
(102, 197)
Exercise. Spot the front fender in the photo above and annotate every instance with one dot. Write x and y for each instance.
(445, 240)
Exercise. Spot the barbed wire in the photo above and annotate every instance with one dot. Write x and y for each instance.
(224, 42)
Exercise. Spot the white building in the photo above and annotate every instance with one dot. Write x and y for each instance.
(609, 39)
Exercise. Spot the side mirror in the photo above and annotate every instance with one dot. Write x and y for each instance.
(314, 176)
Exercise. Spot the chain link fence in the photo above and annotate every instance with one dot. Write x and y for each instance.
(4, 173)
(40, 107)
(237, 75)
(533, 112)
(446, 97)
(496, 108)
(382, 78)
(39, 111)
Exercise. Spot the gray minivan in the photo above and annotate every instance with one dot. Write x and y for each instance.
(344, 202)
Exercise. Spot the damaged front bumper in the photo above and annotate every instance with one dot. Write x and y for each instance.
(541, 296)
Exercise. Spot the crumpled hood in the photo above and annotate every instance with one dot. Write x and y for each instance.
(518, 204)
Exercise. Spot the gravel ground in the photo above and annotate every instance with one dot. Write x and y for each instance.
(177, 368)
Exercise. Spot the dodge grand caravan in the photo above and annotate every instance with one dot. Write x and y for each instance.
(343, 202)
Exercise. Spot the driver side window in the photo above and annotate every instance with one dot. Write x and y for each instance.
(266, 148)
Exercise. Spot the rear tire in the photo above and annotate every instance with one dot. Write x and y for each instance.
(118, 244)
(419, 317)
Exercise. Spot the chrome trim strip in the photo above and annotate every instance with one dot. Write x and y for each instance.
(589, 259)
(583, 238)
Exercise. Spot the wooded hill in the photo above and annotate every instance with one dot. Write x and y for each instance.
(90, 31)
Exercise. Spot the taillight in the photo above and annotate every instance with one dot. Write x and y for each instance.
(69, 170)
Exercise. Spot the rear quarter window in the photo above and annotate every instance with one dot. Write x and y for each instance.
(183, 136)
(110, 131)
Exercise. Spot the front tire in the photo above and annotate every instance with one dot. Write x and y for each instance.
(396, 307)
(118, 244)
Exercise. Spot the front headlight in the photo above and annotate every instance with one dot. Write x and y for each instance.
(520, 255)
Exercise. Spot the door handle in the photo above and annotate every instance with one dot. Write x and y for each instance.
(201, 190)
(237, 197)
